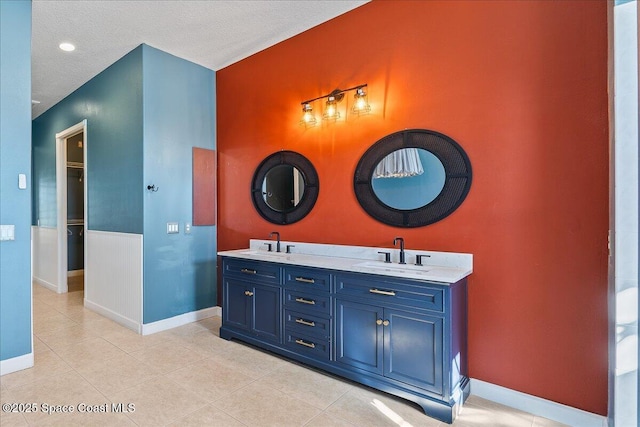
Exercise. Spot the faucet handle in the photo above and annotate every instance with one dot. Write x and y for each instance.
(387, 256)
(289, 248)
(419, 258)
(269, 247)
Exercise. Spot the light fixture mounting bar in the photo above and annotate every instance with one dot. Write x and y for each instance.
(336, 93)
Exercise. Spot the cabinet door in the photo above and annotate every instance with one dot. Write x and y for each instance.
(237, 304)
(267, 311)
(413, 349)
(358, 335)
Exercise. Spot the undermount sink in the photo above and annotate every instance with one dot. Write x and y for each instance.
(396, 268)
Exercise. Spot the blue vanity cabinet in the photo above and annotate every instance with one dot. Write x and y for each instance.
(405, 337)
(409, 333)
(401, 345)
(252, 298)
(308, 311)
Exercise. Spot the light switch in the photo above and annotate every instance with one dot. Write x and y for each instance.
(172, 228)
(7, 232)
(22, 181)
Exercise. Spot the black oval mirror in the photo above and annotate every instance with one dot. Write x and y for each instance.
(412, 178)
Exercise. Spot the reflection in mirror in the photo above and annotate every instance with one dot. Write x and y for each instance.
(408, 178)
(283, 188)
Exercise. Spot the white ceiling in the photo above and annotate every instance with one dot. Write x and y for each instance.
(212, 33)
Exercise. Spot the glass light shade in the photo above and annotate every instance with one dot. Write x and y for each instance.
(331, 110)
(360, 105)
(308, 119)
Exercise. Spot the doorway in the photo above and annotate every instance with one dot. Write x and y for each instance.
(75, 212)
(71, 188)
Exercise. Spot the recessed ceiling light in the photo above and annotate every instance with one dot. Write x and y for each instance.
(67, 47)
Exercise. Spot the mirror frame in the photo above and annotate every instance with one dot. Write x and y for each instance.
(457, 184)
(309, 197)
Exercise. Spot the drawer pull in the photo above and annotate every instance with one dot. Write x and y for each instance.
(248, 293)
(248, 271)
(379, 292)
(306, 344)
(305, 280)
(305, 322)
(306, 301)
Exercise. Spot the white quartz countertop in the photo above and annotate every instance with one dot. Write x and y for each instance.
(444, 267)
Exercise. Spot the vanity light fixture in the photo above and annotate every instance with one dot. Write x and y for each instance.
(331, 112)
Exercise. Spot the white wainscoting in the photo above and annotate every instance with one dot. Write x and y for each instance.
(45, 256)
(113, 279)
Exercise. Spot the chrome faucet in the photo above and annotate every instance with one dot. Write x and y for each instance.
(402, 255)
(277, 239)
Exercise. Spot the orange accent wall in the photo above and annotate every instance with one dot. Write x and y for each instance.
(522, 86)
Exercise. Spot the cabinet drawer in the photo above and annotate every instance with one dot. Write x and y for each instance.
(252, 270)
(390, 291)
(307, 323)
(307, 279)
(318, 348)
(305, 302)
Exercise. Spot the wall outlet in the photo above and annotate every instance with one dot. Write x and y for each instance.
(172, 228)
(187, 228)
(7, 232)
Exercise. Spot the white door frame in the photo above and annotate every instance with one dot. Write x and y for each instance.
(61, 198)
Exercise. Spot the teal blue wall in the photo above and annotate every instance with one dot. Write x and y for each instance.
(15, 158)
(112, 104)
(179, 113)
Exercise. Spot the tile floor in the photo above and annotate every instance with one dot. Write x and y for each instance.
(189, 376)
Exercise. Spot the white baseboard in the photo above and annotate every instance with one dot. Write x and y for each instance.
(116, 317)
(182, 319)
(537, 406)
(46, 284)
(73, 273)
(16, 364)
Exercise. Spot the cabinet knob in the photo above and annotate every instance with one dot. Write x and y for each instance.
(379, 322)
(385, 323)
(248, 293)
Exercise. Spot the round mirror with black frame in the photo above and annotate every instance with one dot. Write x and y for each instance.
(285, 187)
(412, 178)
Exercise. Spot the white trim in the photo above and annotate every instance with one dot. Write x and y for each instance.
(180, 320)
(536, 405)
(61, 198)
(116, 317)
(45, 284)
(16, 363)
(73, 273)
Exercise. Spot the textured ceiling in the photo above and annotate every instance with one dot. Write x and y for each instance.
(213, 33)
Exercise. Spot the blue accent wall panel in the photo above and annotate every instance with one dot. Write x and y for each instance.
(179, 114)
(112, 104)
(15, 158)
